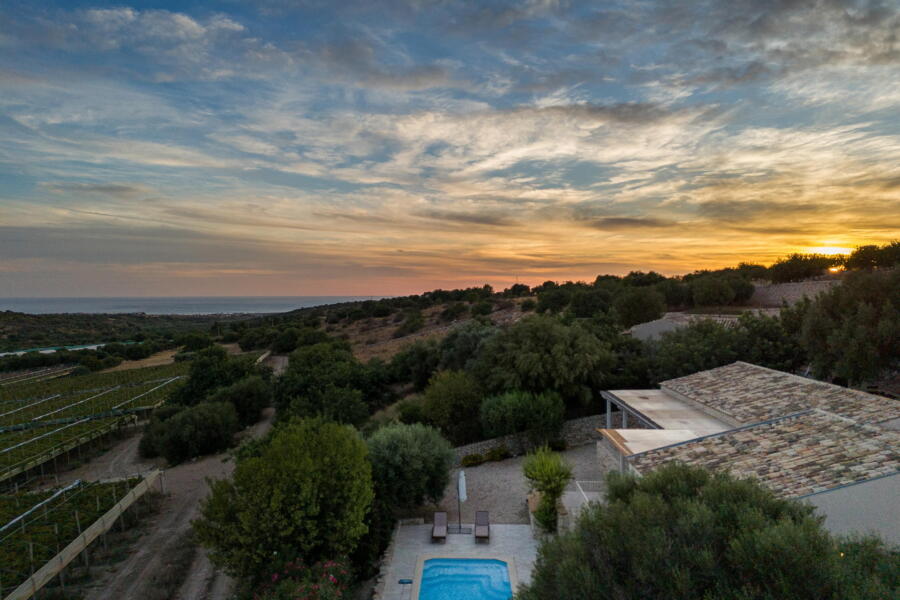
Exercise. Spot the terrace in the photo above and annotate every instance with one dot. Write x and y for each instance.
(513, 543)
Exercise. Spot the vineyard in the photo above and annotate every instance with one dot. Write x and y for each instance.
(57, 525)
(40, 420)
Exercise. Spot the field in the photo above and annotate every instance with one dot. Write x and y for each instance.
(34, 527)
(42, 419)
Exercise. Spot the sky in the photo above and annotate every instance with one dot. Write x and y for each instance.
(340, 148)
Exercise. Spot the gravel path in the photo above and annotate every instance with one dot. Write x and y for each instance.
(500, 487)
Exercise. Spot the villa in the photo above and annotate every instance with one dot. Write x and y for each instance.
(836, 448)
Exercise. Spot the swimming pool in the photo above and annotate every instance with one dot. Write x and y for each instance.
(465, 579)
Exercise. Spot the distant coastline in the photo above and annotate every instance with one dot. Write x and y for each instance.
(195, 305)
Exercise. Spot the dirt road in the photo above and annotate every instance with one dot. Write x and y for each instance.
(185, 486)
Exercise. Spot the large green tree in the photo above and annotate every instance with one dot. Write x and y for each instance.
(540, 354)
(410, 464)
(635, 305)
(451, 403)
(303, 495)
(681, 533)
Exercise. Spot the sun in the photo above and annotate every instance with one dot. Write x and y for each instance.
(829, 250)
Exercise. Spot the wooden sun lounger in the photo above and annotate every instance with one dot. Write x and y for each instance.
(439, 529)
(482, 525)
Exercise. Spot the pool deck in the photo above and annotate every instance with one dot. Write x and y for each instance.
(412, 542)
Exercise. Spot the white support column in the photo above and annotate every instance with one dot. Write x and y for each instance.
(608, 414)
(624, 417)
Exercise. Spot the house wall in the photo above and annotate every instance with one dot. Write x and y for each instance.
(869, 507)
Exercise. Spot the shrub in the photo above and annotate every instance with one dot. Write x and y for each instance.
(340, 404)
(454, 311)
(681, 532)
(151, 441)
(541, 416)
(451, 403)
(201, 429)
(496, 453)
(482, 308)
(327, 580)
(414, 322)
(547, 473)
(639, 305)
(416, 363)
(528, 305)
(711, 291)
(411, 411)
(249, 396)
(410, 464)
(304, 495)
(540, 354)
(472, 460)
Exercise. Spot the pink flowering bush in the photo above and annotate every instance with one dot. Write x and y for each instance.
(323, 581)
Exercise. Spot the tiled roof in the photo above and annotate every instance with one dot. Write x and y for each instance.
(797, 455)
(750, 394)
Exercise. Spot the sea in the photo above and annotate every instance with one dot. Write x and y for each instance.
(194, 305)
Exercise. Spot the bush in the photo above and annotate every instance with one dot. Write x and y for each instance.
(540, 354)
(201, 429)
(339, 404)
(451, 403)
(454, 311)
(249, 396)
(547, 473)
(482, 308)
(528, 305)
(410, 464)
(497, 453)
(416, 363)
(711, 291)
(411, 411)
(305, 494)
(414, 322)
(472, 460)
(151, 441)
(541, 416)
(639, 305)
(681, 532)
(461, 347)
(327, 580)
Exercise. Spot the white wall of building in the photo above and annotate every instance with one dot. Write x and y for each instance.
(869, 507)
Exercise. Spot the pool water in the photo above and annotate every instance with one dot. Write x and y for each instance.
(465, 579)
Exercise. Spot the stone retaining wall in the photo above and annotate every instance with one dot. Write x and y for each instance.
(576, 432)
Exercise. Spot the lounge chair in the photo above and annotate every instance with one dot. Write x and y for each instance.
(439, 529)
(482, 525)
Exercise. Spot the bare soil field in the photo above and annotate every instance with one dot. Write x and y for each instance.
(165, 357)
(374, 337)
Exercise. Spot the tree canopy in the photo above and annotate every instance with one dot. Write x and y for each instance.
(684, 533)
(304, 495)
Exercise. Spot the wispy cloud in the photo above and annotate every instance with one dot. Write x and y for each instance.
(385, 147)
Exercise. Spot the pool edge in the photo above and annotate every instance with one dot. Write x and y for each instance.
(420, 566)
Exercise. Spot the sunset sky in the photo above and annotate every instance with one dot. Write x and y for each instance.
(295, 148)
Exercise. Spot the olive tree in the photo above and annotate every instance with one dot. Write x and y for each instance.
(410, 464)
(303, 495)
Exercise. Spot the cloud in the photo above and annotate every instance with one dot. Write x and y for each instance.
(617, 223)
(118, 190)
(467, 218)
(356, 61)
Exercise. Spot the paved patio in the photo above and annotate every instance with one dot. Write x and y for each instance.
(412, 541)
(500, 487)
